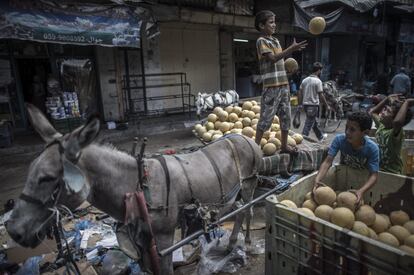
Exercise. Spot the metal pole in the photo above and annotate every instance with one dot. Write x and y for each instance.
(215, 224)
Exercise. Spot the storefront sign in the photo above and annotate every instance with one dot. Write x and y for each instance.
(115, 26)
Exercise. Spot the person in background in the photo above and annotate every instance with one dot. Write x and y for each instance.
(357, 151)
(401, 83)
(310, 96)
(275, 94)
(390, 116)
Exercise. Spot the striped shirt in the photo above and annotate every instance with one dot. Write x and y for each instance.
(273, 74)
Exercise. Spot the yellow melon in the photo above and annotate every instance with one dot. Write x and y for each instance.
(269, 149)
(245, 113)
(248, 131)
(365, 214)
(254, 102)
(224, 127)
(275, 141)
(298, 138)
(223, 116)
(399, 232)
(254, 126)
(238, 125)
(246, 121)
(263, 142)
(278, 135)
(407, 249)
(387, 219)
(343, 217)
(207, 137)
(308, 196)
(306, 211)
(317, 25)
(291, 141)
(324, 195)
(372, 234)
(409, 241)
(229, 109)
(209, 126)
(251, 115)
(275, 127)
(233, 117)
(212, 117)
(324, 212)
(388, 238)
(266, 134)
(276, 120)
(399, 217)
(291, 65)
(256, 109)
(201, 131)
(361, 228)
(257, 115)
(217, 110)
(217, 124)
(236, 131)
(409, 226)
(247, 105)
(347, 199)
(289, 203)
(255, 121)
(231, 124)
(380, 224)
(310, 204)
(216, 136)
(237, 110)
(197, 126)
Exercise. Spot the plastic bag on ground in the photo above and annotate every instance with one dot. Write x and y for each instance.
(30, 266)
(215, 257)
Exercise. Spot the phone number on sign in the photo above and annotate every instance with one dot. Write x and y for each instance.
(71, 38)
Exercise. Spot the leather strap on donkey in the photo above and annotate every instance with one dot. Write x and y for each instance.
(161, 159)
(216, 169)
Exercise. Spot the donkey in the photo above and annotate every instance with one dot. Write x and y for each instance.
(72, 169)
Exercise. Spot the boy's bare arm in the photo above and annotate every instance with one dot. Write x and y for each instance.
(399, 119)
(377, 109)
(372, 179)
(292, 48)
(326, 164)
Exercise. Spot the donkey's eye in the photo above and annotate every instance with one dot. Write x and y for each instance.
(46, 179)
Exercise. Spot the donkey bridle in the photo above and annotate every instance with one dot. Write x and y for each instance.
(54, 197)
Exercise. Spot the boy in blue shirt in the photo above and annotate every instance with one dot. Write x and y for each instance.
(357, 151)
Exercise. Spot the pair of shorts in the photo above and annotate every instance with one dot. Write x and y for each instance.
(275, 101)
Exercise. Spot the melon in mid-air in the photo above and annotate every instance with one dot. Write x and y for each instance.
(291, 65)
(317, 25)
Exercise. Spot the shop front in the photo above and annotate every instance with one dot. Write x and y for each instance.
(48, 59)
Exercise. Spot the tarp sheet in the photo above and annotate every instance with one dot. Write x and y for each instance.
(358, 5)
(340, 20)
(29, 20)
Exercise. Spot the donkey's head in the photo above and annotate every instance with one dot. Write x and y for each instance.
(53, 179)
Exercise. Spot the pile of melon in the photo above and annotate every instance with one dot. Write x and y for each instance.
(395, 229)
(243, 121)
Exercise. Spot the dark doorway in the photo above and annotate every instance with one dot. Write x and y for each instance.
(33, 76)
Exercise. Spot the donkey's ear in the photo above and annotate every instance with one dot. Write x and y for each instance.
(41, 124)
(80, 138)
(89, 132)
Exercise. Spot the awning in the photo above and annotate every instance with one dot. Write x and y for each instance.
(114, 26)
(358, 5)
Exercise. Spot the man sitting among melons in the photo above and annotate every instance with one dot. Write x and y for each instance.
(357, 151)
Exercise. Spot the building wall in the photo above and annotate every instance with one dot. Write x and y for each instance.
(194, 50)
